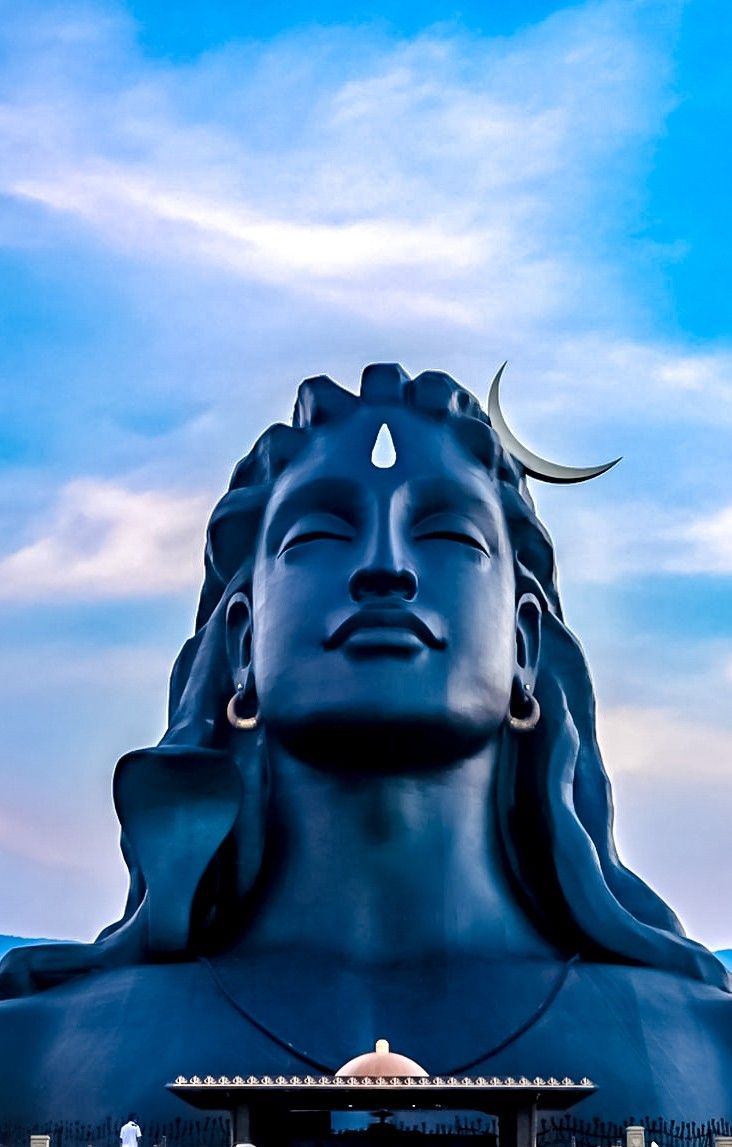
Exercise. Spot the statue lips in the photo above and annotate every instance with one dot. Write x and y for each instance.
(384, 629)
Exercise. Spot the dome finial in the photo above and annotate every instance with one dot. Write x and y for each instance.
(381, 1062)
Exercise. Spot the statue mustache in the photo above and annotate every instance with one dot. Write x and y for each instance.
(384, 618)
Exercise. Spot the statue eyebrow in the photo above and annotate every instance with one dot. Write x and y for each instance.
(339, 496)
(455, 496)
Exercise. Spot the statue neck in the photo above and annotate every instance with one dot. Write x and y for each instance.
(377, 866)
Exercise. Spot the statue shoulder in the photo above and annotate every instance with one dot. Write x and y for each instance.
(651, 987)
(126, 1031)
(638, 1003)
(652, 1041)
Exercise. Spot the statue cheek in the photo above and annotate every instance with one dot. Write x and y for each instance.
(485, 666)
(479, 689)
(278, 648)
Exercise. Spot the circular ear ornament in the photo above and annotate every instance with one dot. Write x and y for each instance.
(233, 717)
(529, 719)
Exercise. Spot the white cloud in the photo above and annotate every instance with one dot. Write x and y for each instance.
(444, 176)
(457, 189)
(658, 742)
(672, 787)
(706, 544)
(610, 542)
(618, 376)
(101, 540)
(606, 542)
(314, 258)
(246, 238)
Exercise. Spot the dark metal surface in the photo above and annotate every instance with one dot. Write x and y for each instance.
(384, 855)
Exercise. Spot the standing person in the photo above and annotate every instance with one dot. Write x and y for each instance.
(129, 1133)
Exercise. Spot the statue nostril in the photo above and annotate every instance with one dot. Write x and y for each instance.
(409, 584)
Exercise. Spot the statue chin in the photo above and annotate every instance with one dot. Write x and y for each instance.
(378, 744)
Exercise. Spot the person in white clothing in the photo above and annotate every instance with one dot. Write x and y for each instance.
(129, 1133)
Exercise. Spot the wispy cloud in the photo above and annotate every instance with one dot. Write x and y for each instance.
(101, 540)
(449, 171)
(620, 376)
(708, 544)
(306, 257)
(673, 802)
(612, 541)
(657, 742)
(453, 188)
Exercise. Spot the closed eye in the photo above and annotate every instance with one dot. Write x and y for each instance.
(316, 528)
(454, 536)
(451, 528)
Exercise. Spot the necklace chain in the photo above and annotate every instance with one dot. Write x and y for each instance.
(310, 1061)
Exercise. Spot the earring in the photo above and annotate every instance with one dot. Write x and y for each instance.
(531, 719)
(234, 718)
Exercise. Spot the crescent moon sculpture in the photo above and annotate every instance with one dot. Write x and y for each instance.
(535, 466)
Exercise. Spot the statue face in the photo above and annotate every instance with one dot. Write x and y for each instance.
(383, 605)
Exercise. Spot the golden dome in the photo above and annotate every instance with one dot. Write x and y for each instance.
(380, 1062)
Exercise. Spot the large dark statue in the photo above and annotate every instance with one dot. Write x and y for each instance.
(379, 808)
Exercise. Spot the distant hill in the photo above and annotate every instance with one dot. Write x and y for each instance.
(8, 942)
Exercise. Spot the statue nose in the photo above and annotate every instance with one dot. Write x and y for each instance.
(379, 581)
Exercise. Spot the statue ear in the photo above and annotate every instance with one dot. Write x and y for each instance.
(239, 638)
(528, 640)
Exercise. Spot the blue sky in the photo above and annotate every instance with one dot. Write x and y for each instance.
(199, 208)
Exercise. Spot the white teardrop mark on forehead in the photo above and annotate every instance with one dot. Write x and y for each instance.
(383, 454)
